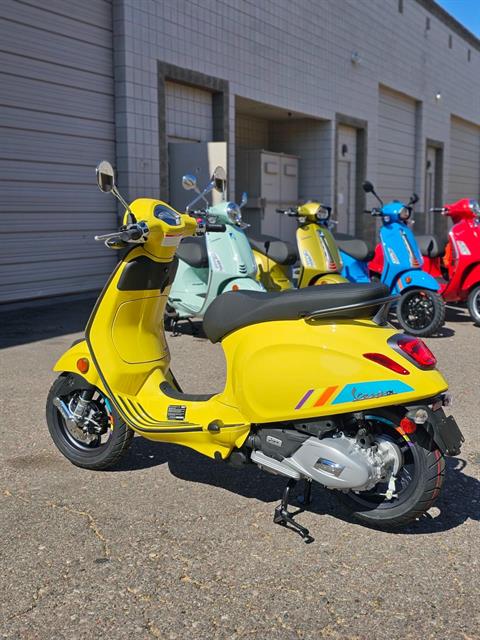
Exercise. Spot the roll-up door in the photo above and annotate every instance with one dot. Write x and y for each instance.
(56, 124)
(396, 145)
(464, 163)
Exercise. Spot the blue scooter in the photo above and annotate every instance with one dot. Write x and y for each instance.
(420, 310)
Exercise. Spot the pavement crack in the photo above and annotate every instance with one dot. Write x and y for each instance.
(92, 525)
(37, 596)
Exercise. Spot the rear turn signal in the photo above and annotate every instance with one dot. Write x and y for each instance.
(387, 362)
(416, 350)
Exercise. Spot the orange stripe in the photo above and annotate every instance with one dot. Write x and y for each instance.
(326, 395)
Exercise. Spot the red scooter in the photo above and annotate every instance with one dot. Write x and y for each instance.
(456, 264)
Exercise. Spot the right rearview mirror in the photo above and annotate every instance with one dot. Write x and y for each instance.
(105, 176)
(189, 182)
(220, 179)
(368, 187)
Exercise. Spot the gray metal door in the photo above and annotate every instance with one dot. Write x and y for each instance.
(396, 145)
(430, 188)
(344, 211)
(56, 124)
(464, 162)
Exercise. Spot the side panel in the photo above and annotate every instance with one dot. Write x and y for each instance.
(472, 279)
(415, 279)
(289, 370)
(273, 276)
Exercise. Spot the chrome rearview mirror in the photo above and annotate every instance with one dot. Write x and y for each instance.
(106, 183)
(189, 182)
(105, 176)
(219, 178)
(244, 199)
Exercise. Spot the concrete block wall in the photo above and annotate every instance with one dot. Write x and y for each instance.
(189, 113)
(312, 141)
(294, 54)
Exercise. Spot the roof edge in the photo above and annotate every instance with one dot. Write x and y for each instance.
(439, 12)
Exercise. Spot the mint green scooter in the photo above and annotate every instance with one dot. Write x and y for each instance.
(218, 260)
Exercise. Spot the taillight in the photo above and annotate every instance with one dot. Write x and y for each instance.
(416, 350)
(387, 362)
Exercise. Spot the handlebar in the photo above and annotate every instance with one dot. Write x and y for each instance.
(438, 210)
(287, 212)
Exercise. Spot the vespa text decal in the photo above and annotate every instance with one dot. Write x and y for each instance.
(358, 392)
(355, 392)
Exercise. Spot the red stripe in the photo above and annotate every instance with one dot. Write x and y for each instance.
(326, 395)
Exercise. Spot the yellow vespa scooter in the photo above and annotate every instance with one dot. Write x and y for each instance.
(316, 248)
(318, 386)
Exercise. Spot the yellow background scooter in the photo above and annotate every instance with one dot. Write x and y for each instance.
(316, 248)
(317, 385)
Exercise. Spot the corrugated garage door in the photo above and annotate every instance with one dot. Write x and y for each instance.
(464, 177)
(56, 123)
(396, 145)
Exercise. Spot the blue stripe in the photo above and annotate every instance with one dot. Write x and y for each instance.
(364, 391)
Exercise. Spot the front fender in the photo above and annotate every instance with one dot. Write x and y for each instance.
(472, 279)
(68, 362)
(415, 279)
(242, 284)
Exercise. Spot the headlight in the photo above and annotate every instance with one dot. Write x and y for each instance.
(322, 214)
(404, 213)
(234, 213)
(475, 207)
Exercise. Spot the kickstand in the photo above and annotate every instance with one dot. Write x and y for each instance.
(192, 327)
(285, 518)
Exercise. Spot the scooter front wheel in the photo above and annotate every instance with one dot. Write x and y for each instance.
(474, 304)
(97, 439)
(421, 312)
(417, 484)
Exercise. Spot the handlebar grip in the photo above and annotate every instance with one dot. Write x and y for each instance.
(280, 210)
(215, 228)
(131, 234)
(438, 210)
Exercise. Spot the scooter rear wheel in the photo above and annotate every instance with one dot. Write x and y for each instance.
(474, 304)
(418, 483)
(421, 312)
(98, 448)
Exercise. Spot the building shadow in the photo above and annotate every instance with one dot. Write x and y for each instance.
(23, 325)
(458, 502)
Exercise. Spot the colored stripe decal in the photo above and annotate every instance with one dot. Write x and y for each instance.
(361, 391)
(326, 395)
(304, 399)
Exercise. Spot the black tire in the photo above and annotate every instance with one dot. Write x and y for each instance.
(421, 312)
(424, 468)
(473, 303)
(96, 455)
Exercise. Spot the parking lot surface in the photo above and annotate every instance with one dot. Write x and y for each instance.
(173, 545)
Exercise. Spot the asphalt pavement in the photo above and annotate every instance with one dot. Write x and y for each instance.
(172, 545)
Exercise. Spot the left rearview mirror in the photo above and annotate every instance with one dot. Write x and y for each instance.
(105, 176)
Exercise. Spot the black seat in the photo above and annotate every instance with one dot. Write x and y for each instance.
(193, 251)
(236, 309)
(431, 246)
(354, 247)
(274, 248)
